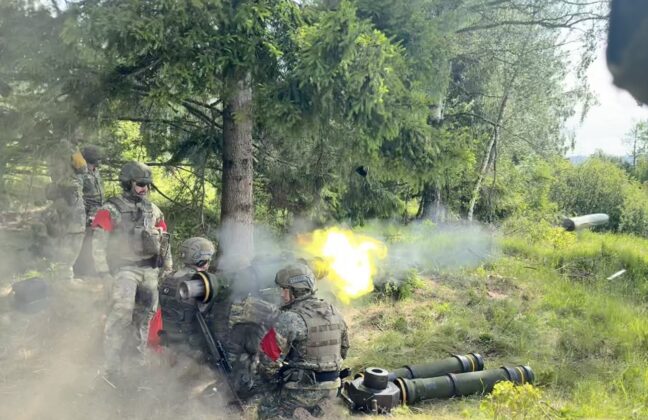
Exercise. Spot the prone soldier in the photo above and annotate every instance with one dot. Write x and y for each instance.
(130, 245)
(304, 350)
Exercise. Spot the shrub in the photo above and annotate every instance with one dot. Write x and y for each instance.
(510, 401)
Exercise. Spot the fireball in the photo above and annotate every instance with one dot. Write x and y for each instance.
(348, 259)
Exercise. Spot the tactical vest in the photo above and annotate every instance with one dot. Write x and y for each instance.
(178, 315)
(93, 194)
(135, 240)
(320, 351)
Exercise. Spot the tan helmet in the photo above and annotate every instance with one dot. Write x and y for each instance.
(197, 251)
(135, 172)
(298, 277)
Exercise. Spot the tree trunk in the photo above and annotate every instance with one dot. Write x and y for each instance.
(432, 203)
(236, 247)
(489, 150)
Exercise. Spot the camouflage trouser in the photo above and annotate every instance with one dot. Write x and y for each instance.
(282, 404)
(84, 264)
(134, 300)
(66, 249)
(243, 345)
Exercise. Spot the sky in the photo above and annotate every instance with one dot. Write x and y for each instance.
(608, 122)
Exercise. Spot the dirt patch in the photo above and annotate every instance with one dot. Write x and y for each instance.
(49, 364)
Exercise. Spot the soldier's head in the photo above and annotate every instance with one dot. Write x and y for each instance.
(92, 155)
(296, 281)
(197, 252)
(136, 179)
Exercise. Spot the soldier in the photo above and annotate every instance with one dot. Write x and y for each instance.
(93, 198)
(130, 244)
(64, 219)
(181, 330)
(309, 342)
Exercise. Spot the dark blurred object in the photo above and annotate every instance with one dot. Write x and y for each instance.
(627, 55)
(30, 295)
(362, 171)
(92, 154)
(587, 221)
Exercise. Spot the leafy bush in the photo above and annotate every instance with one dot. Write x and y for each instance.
(634, 213)
(596, 186)
(510, 401)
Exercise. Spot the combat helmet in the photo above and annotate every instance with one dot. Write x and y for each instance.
(92, 154)
(135, 172)
(197, 251)
(298, 277)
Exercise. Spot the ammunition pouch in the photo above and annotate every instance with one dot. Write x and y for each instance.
(150, 240)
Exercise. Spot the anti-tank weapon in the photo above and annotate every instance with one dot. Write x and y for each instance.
(378, 391)
(201, 288)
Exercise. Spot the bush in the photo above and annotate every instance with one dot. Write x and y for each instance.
(634, 213)
(510, 401)
(596, 186)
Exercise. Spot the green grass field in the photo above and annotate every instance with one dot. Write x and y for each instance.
(546, 303)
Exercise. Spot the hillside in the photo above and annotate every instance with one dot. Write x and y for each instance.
(545, 304)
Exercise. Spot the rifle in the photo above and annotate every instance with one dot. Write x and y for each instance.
(165, 246)
(218, 356)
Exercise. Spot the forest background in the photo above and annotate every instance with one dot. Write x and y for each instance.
(272, 112)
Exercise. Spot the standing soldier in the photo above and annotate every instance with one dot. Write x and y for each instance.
(64, 219)
(130, 244)
(309, 342)
(93, 198)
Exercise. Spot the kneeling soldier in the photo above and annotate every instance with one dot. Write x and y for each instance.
(309, 342)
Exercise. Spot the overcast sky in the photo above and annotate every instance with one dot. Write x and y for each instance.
(606, 124)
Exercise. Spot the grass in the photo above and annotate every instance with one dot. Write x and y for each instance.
(546, 304)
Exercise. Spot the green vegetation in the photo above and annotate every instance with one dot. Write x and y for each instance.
(397, 118)
(545, 303)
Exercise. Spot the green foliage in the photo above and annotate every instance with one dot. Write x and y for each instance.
(546, 304)
(596, 186)
(508, 401)
(634, 212)
(403, 288)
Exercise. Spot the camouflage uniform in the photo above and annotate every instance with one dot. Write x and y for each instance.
(127, 238)
(64, 219)
(312, 338)
(93, 198)
(249, 321)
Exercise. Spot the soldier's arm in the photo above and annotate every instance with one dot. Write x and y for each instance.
(344, 343)
(289, 328)
(102, 226)
(71, 188)
(167, 263)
